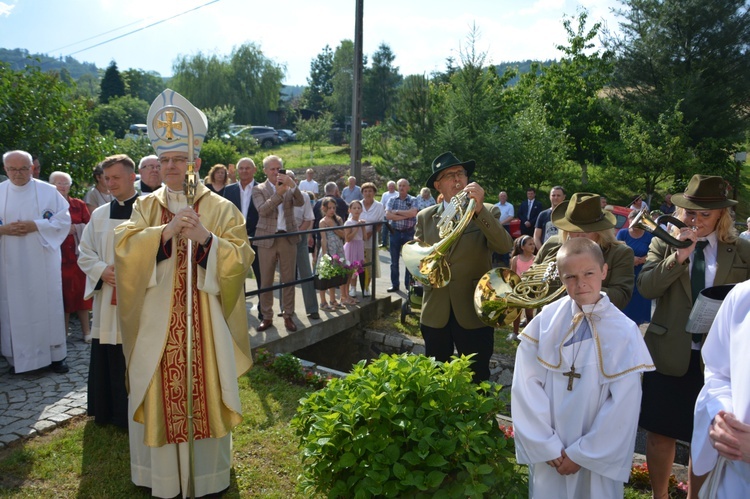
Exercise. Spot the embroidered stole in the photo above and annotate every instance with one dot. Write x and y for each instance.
(173, 364)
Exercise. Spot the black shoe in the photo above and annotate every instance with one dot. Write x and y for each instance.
(12, 370)
(314, 316)
(393, 289)
(59, 366)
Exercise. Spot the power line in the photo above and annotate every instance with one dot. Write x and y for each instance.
(96, 36)
(145, 27)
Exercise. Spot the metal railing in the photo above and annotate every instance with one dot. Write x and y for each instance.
(304, 233)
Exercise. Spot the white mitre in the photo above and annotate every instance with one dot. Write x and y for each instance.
(167, 129)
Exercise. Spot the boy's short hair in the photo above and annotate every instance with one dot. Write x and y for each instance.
(580, 246)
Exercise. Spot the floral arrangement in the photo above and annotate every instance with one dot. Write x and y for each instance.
(640, 480)
(333, 266)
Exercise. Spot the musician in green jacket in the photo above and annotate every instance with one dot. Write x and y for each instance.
(670, 392)
(448, 318)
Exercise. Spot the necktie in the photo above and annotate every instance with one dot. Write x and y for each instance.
(531, 203)
(698, 276)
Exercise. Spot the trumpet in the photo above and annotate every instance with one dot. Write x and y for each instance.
(645, 221)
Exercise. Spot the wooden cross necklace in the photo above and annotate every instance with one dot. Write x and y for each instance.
(572, 374)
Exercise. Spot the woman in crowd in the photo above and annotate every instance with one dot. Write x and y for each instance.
(425, 199)
(521, 258)
(674, 277)
(73, 278)
(217, 179)
(331, 244)
(583, 216)
(99, 194)
(639, 308)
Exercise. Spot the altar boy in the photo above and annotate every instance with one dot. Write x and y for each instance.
(576, 389)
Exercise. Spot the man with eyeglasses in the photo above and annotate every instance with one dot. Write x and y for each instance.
(448, 319)
(150, 171)
(34, 222)
(151, 262)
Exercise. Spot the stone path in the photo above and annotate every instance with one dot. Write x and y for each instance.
(37, 401)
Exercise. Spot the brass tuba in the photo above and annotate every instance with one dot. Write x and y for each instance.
(645, 221)
(501, 294)
(427, 263)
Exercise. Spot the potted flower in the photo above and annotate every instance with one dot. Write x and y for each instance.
(332, 271)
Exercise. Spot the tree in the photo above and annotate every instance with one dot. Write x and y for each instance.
(255, 84)
(119, 114)
(319, 88)
(40, 115)
(314, 131)
(571, 91)
(343, 81)
(381, 83)
(219, 119)
(650, 153)
(535, 150)
(112, 84)
(246, 80)
(690, 52)
(144, 85)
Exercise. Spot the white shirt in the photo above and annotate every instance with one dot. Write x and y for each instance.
(386, 197)
(309, 185)
(304, 212)
(506, 210)
(246, 196)
(375, 213)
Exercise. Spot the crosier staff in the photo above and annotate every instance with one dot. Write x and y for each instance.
(191, 180)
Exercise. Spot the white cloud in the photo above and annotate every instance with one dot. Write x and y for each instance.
(5, 9)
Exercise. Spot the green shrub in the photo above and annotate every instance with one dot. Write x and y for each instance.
(406, 426)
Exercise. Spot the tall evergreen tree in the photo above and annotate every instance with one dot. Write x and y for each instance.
(112, 84)
(689, 51)
(381, 81)
(320, 82)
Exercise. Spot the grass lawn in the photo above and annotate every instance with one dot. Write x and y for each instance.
(82, 459)
(297, 155)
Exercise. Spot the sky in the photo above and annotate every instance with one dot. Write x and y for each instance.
(422, 34)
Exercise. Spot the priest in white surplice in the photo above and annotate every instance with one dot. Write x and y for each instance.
(107, 396)
(576, 386)
(722, 411)
(34, 221)
(150, 275)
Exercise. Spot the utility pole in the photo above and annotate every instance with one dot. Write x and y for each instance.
(356, 144)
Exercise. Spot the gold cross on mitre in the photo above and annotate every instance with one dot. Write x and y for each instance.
(169, 125)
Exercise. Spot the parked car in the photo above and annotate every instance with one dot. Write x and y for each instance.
(287, 135)
(137, 131)
(621, 214)
(265, 135)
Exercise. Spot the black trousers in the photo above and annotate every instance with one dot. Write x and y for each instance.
(440, 343)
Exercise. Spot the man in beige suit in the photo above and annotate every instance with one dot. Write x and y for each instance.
(275, 200)
(448, 319)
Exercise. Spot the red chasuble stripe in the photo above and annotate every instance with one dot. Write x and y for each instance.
(174, 360)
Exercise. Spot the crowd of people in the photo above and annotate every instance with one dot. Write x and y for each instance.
(155, 266)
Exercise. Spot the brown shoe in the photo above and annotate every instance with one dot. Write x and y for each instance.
(289, 324)
(265, 324)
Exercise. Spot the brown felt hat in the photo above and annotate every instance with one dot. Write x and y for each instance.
(704, 192)
(583, 213)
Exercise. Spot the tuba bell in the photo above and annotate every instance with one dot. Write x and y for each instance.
(501, 294)
(427, 263)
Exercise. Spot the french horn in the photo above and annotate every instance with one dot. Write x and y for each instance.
(501, 294)
(645, 221)
(427, 263)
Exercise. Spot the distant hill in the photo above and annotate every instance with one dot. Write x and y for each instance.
(19, 59)
(521, 66)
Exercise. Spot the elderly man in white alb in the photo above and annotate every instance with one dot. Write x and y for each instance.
(151, 265)
(34, 221)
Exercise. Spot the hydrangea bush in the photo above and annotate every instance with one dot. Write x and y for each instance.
(406, 426)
